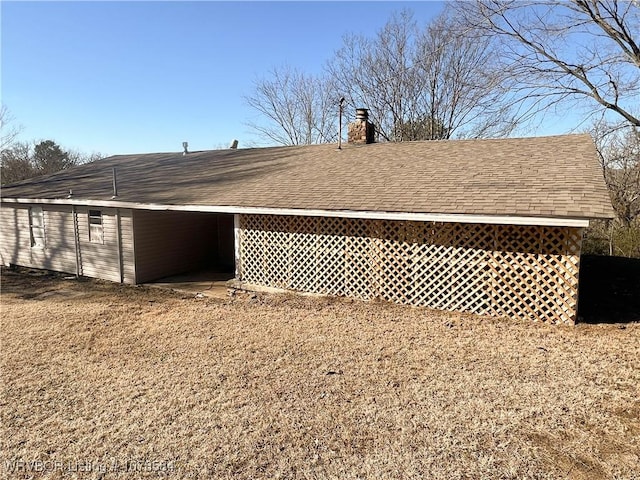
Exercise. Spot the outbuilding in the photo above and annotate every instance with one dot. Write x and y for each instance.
(486, 226)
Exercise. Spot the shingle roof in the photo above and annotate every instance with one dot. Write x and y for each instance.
(544, 176)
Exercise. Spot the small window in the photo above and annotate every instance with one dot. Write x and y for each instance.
(36, 227)
(96, 230)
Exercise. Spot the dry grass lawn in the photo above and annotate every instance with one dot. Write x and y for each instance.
(106, 381)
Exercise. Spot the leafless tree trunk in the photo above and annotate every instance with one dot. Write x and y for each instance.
(426, 83)
(565, 50)
(298, 108)
(376, 73)
(619, 152)
(418, 83)
(459, 82)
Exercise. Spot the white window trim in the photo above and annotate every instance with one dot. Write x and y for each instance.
(96, 229)
(37, 241)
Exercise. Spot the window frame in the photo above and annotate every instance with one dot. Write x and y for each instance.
(95, 222)
(38, 241)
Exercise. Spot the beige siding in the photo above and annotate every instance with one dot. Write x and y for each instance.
(101, 260)
(59, 254)
(169, 243)
(15, 247)
(226, 242)
(126, 235)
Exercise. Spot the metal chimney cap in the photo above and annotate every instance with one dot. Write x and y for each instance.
(234, 144)
(185, 145)
(362, 114)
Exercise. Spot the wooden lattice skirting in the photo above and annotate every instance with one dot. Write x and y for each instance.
(499, 270)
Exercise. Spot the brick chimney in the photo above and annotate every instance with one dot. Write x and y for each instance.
(361, 130)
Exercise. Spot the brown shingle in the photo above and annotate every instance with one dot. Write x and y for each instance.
(551, 176)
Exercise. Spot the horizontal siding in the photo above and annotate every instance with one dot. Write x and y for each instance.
(169, 243)
(126, 234)
(15, 242)
(226, 242)
(58, 253)
(101, 260)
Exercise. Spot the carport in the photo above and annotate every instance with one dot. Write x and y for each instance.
(172, 243)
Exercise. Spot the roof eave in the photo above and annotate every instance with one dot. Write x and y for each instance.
(377, 215)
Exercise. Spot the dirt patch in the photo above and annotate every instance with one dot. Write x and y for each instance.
(105, 381)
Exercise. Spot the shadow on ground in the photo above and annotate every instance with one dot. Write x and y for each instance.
(609, 290)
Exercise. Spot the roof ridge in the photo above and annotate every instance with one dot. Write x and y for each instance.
(349, 146)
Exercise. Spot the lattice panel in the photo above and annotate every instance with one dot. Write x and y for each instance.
(500, 270)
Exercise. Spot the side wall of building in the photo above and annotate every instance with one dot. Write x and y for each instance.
(58, 252)
(67, 242)
(113, 259)
(170, 243)
(499, 270)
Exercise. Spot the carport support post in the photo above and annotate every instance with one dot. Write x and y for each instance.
(236, 245)
(119, 244)
(76, 239)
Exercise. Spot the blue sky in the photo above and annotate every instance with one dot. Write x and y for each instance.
(127, 77)
(130, 77)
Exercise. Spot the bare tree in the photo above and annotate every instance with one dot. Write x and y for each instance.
(428, 83)
(21, 160)
(80, 158)
(8, 130)
(459, 82)
(619, 152)
(418, 83)
(298, 108)
(377, 73)
(565, 50)
(15, 163)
